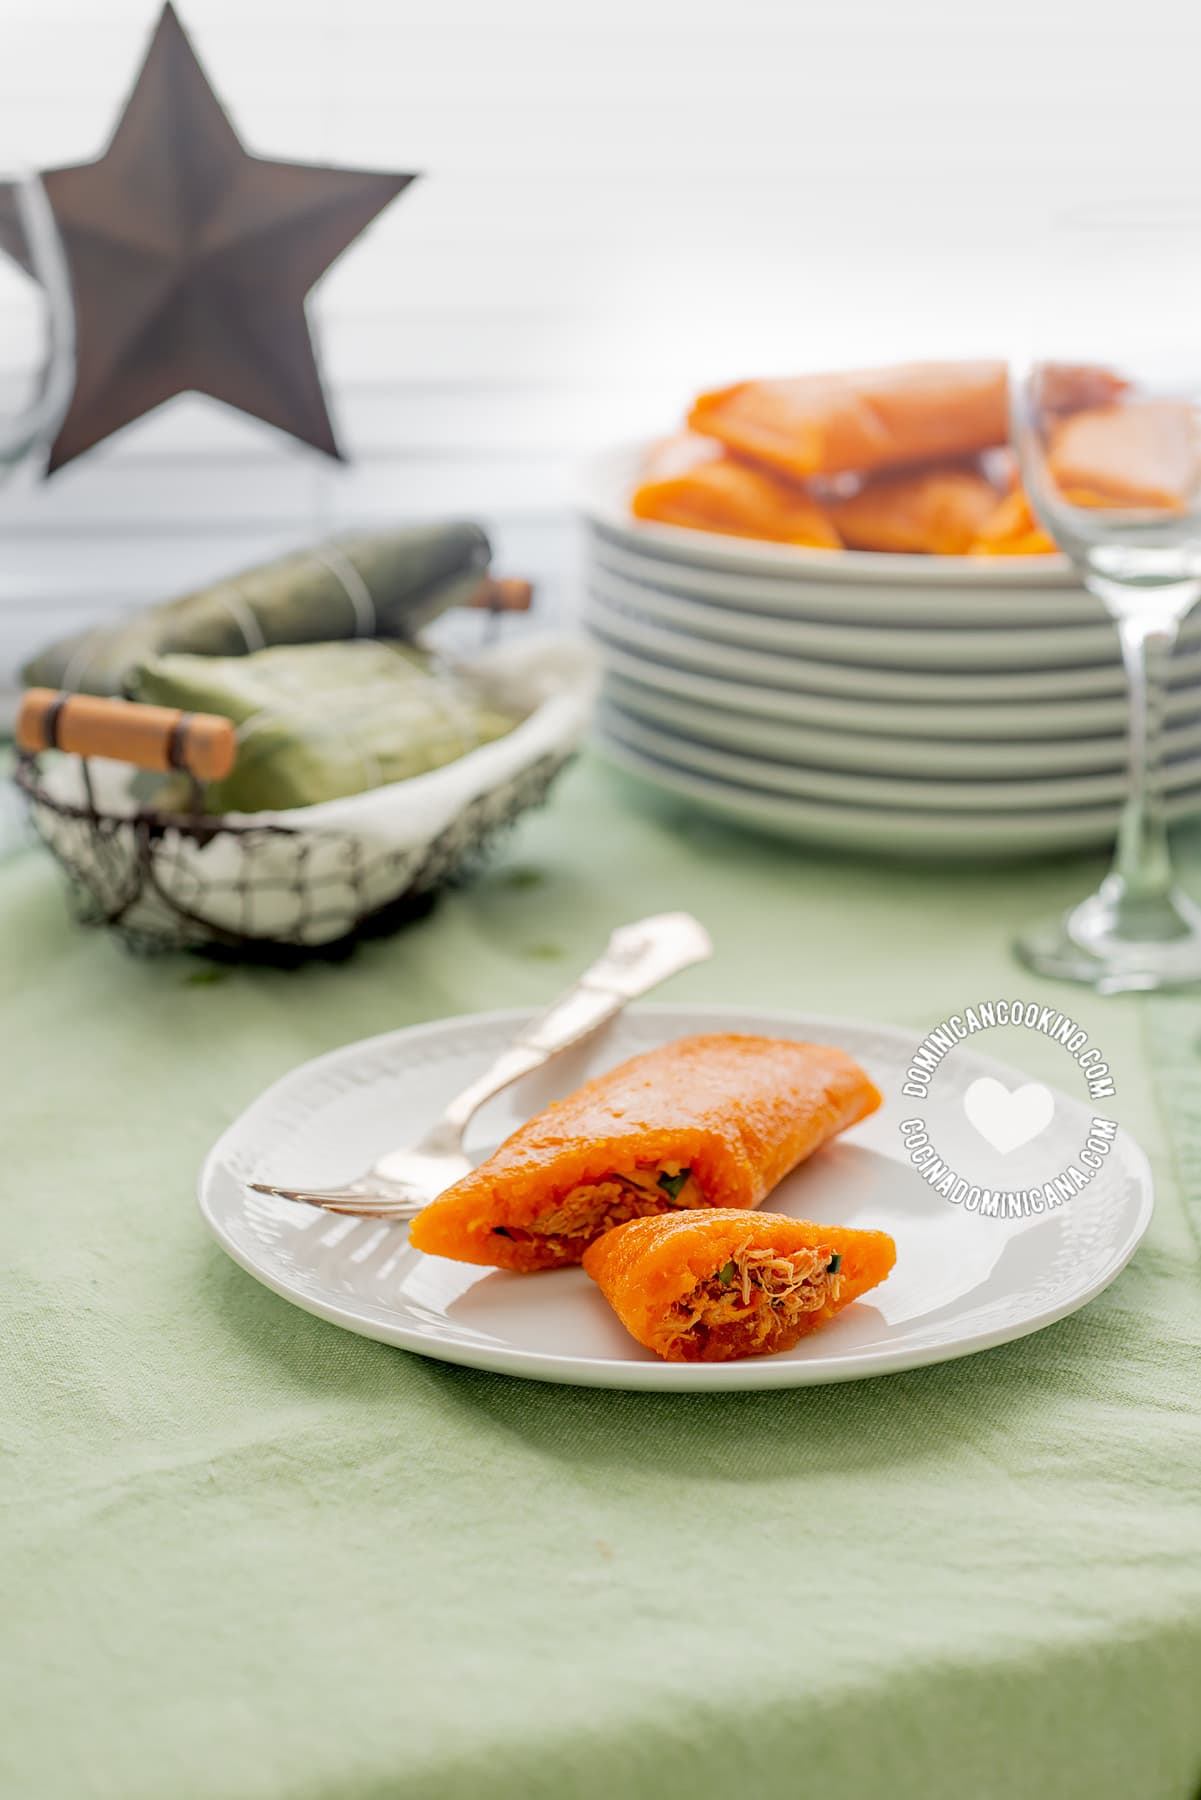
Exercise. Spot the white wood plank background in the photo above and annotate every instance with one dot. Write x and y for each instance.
(619, 203)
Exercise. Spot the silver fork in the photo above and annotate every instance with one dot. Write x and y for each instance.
(638, 958)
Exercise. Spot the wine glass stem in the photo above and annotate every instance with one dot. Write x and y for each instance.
(1143, 863)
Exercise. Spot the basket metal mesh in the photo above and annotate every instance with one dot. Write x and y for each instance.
(184, 881)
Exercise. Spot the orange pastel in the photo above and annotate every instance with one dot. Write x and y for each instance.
(692, 481)
(860, 421)
(1145, 453)
(1012, 530)
(714, 1286)
(938, 511)
(702, 1122)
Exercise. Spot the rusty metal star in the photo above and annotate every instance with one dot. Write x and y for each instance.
(191, 259)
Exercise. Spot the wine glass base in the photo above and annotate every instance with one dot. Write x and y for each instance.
(1116, 947)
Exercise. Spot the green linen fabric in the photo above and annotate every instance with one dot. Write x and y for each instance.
(247, 1556)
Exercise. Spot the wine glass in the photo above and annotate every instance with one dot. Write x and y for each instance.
(37, 342)
(1110, 454)
(37, 375)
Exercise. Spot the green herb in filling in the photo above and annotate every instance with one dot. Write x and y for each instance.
(726, 1275)
(671, 1184)
(834, 1264)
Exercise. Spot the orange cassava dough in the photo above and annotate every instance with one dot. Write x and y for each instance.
(1142, 453)
(860, 421)
(693, 482)
(938, 511)
(1071, 387)
(1012, 530)
(740, 1112)
(647, 1268)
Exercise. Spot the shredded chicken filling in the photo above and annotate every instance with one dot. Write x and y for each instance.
(595, 1207)
(758, 1297)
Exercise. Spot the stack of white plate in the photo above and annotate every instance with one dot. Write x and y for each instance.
(917, 704)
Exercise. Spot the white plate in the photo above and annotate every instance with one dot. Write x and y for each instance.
(678, 643)
(884, 831)
(609, 479)
(902, 644)
(962, 1283)
(1032, 721)
(791, 739)
(966, 603)
(775, 775)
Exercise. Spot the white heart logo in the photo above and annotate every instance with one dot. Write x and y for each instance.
(1008, 1120)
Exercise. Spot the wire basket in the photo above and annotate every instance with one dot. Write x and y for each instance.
(273, 890)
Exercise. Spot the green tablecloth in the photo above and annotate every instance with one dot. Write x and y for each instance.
(246, 1555)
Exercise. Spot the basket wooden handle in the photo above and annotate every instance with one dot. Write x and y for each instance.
(503, 594)
(150, 737)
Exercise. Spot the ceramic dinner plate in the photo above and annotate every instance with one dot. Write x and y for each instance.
(967, 602)
(903, 644)
(616, 622)
(955, 792)
(609, 480)
(962, 1282)
(796, 740)
(876, 830)
(1032, 721)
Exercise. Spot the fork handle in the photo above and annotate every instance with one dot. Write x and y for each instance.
(638, 958)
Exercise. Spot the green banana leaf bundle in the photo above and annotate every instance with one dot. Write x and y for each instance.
(385, 585)
(320, 721)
